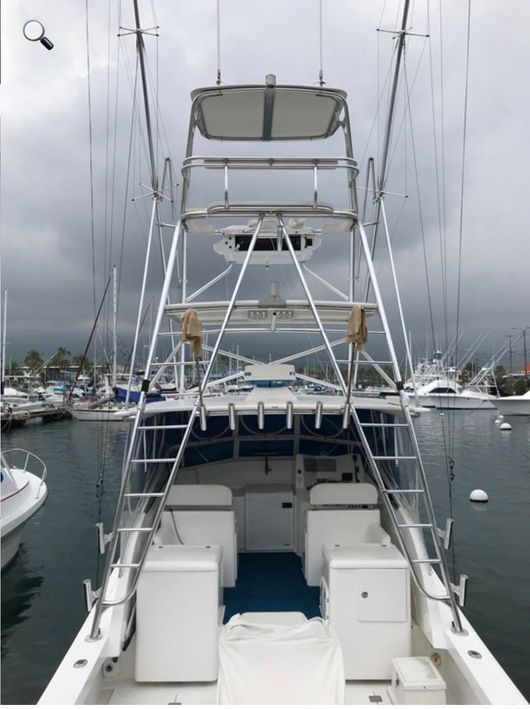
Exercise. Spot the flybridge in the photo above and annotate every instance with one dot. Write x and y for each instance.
(268, 114)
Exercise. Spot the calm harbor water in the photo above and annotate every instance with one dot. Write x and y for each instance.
(42, 594)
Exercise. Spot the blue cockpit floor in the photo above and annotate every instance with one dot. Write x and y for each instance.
(271, 582)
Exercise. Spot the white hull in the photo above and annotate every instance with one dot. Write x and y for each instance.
(470, 680)
(17, 508)
(10, 546)
(105, 413)
(513, 405)
(450, 401)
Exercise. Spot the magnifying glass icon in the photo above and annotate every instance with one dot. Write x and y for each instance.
(34, 31)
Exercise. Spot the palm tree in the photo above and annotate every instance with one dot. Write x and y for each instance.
(33, 360)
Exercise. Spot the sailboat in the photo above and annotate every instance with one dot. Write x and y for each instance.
(105, 407)
(274, 545)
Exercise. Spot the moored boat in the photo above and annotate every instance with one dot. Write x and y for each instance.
(513, 405)
(23, 494)
(275, 546)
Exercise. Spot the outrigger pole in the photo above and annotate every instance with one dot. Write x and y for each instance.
(157, 196)
(380, 212)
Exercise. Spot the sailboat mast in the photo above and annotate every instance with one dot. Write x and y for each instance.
(4, 337)
(114, 328)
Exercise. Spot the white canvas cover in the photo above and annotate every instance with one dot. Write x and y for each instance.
(279, 664)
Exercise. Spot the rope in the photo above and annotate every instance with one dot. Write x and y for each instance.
(422, 226)
(462, 184)
(191, 332)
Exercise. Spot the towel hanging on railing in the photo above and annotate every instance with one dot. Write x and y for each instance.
(357, 332)
(191, 331)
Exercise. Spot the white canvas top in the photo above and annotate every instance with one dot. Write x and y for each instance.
(268, 112)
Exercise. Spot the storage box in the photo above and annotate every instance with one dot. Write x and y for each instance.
(365, 593)
(415, 680)
(177, 608)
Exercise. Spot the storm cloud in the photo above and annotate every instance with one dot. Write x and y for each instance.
(47, 243)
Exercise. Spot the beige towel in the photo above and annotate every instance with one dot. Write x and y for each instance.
(191, 331)
(357, 333)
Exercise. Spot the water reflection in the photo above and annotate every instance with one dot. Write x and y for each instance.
(19, 586)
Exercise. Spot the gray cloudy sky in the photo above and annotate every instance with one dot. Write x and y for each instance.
(46, 247)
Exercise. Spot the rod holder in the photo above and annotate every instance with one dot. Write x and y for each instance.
(289, 414)
(318, 414)
(91, 596)
(202, 418)
(261, 415)
(232, 417)
(460, 589)
(103, 539)
(446, 535)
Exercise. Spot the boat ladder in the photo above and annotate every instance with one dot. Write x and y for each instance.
(128, 544)
(416, 498)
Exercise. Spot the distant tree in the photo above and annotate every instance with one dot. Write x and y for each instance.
(468, 372)
(500, 372)
(33, 360)
(60, 359)
(14, 369)
(87, 364)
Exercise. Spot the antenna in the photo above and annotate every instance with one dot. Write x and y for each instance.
(218, 82)
(321, 70)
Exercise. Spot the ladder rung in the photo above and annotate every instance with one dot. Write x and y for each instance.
(399, 491)
(135, 529)
(125, 566)
(384, 425)
(413, 526)
(162, 427)
(144, 494)
(394, 457)
(425, 561)
(153, 460)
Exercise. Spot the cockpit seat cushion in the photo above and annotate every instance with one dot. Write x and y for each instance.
(338, 527)
(327, 494)
(199, 496)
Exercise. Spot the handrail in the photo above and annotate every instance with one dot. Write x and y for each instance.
(273, 163)
(228, 164)
(28, 455)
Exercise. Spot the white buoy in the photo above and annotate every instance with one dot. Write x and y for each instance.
(498, 421)
(505, 427)
(501, 417)
(478, 496)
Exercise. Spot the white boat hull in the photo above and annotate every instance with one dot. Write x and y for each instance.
(449, 401)
(17, 510)
(513, 406)
(10, 546)
(104, 413)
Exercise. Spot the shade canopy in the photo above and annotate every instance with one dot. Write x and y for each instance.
(268, 112)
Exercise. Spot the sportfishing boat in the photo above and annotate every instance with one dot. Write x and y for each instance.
(22, 481)
(275, 544)
(436, 386)
(513, 405)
